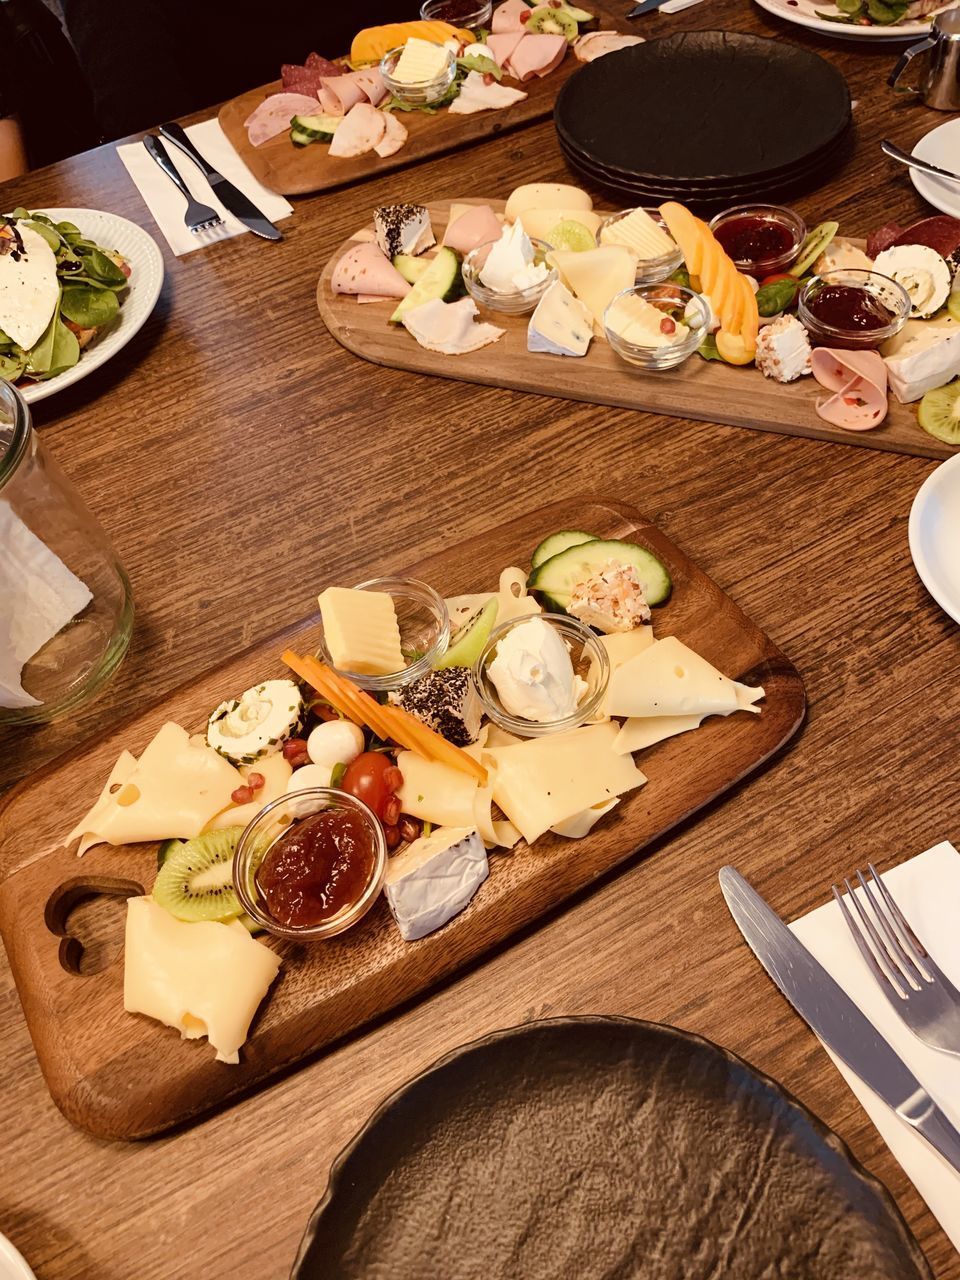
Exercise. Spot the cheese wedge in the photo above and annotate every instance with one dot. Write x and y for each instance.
(360, 631)
(203, 979)
(669, 679)
(596, 276)
(621, 646)
(434, 878)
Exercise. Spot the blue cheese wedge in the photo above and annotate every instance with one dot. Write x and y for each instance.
(561, 324)
(434, 878)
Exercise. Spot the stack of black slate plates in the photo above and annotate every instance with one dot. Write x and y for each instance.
(711, 118)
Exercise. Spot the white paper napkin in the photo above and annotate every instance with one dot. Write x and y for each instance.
(927, 890)
(167, 204)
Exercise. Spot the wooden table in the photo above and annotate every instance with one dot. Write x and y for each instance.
(239, 459)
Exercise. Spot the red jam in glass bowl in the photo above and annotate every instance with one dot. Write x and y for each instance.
(762, 239)
(851, 309)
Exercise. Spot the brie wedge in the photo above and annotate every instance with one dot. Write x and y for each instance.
(433, 879)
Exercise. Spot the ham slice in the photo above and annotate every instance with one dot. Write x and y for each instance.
(394, 136)
(476, 95)
(597, 43)
(448, 327)
(330, 104)
(536, 55)
(479, 225)
(372, 83)
(502, 45)
(858, 381)
(365, 271)
(510, 16)
(345, 89)
(274, 114)
(362, 128)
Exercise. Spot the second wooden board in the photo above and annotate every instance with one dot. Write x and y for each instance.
(706, 390)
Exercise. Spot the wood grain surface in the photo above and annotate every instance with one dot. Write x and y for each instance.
(237, 456)
(123, 1077)
(703, 389)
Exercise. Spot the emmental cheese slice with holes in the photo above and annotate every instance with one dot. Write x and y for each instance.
(669, 679)
(621, 646)
(203, 978)
(85, 828)
(544, 781)
(178, 785)
(596, 276)
(360, 631)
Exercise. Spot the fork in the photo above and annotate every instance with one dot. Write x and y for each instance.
(198, 217)
(916, 987)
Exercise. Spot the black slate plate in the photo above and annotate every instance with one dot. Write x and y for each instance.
(601, 1148)
(704, 106)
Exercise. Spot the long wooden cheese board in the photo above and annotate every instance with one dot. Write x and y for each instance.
(124, 1076)
(707, 391)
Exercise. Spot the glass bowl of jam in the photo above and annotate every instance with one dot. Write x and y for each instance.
(424, 625)
(852, 309)
(762, 239)
(465, 14)
(310, 864)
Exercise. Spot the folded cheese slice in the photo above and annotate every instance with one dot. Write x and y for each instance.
(640, 732)
(582, 823)
(120, 772)
(621, 646)
(203, 978)
(669, 679)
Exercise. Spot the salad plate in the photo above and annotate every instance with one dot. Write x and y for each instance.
(649, 1139)
(143, 254)
(810, 14)
(941, 146)
(934, 533)
(13, 1265)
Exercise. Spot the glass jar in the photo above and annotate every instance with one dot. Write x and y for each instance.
(66, 609)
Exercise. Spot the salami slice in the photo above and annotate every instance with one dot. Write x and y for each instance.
(365, 270)
(882, 238)
(297, 79)
(941, 233)
(274, 114)
(324, 65)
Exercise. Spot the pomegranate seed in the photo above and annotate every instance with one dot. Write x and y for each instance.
(392, 836)
(391, 811)
(294, 747)
(410, 828)
(487, 78)
(242, 795)
(393, 779)
(667, 325)
(255, 781)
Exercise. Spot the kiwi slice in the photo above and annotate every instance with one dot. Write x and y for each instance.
(547, 21)
(465, 647)
(196, 880)
(939, 413)
(572, 235)
(953, 304)
(814, 244)
(166, 848)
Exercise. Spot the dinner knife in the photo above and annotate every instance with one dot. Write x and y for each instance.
(646, 6)
(895, 153)
(238, 204)
(830, 1012)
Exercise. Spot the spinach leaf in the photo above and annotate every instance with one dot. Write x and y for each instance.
(46, 232)
(481, 64)
(708, 348)
(681, 276)
(88, 306)
(100, 267)
(886, 12)
(66, 350)
(776, 297)
(11, 367)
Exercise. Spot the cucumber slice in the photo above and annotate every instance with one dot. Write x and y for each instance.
(554, 580)
(558, 542)
(411, 268)
(939, 412)
(812, 247)
(442, 279)
(322, 127)
(470, 639)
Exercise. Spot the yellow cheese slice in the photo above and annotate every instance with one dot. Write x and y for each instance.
(436, 792)
(203, 979)
(85, 828)
(669, 679)
(420, 61)
(596, 276)
(276, 774)
(512, 598)
(638, 232)
(621, 646)
(545, 195)
(582, 824)
(539, 223)
(544, 781)
(645, 731)
(360, 631)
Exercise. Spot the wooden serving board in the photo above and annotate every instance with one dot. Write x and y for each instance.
(705, 390)
(124, 1076)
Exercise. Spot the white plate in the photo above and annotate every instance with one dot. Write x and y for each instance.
(146, 280)
(803, 13)
(12, 1263)
(940, 146)
(935, 535)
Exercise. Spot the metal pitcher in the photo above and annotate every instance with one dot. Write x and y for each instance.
(940, 74)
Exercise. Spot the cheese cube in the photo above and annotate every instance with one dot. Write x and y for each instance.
(434, 878)
(421, 61)
(360, 631)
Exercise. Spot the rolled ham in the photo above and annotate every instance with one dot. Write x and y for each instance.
(510, 16)
(372, 83)
(858, 381)
(536, 55)
(365, 271)
(478, 225)
(345, 90)
(502, 45)
(394, 136)
(274, 114)
(361, 129)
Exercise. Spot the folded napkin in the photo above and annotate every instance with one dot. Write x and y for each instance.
(927, 891)
(167, 204)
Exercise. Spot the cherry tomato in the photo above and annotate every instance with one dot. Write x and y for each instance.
(373, 778)
(775, 279)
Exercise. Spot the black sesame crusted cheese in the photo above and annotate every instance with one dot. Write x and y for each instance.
(392, 222)
(446, 701)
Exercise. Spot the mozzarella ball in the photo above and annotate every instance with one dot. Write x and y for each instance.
(309, 775)
(334, 742)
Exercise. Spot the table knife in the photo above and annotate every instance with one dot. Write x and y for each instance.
(238, 204)
(646, 6)
(830, 1012)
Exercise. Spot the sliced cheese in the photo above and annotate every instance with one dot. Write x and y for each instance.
(178, 785)
(512, 598)
(436, 792)
(420, 62)
(582, 824)
(360, 631)
(545, 195)
(621, 646)
(544, 781)
(669, 679)
(203, 979)
(276, 773)
(86, 827)
(596, 276)
(640, 732)
(434, 878)
(639, 233)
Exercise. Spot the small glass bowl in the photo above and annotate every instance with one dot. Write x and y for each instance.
(426, 91)
(474, 15)
(665, 357)
(590, 661)
(892, 295)
(262, 833)
(649, 270)
(424, 632)
(519, 301)
(787, 218)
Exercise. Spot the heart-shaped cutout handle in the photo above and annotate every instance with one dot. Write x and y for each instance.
(86, 914)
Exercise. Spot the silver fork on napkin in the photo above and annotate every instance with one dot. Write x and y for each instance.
(198, 217)
(916, 986)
